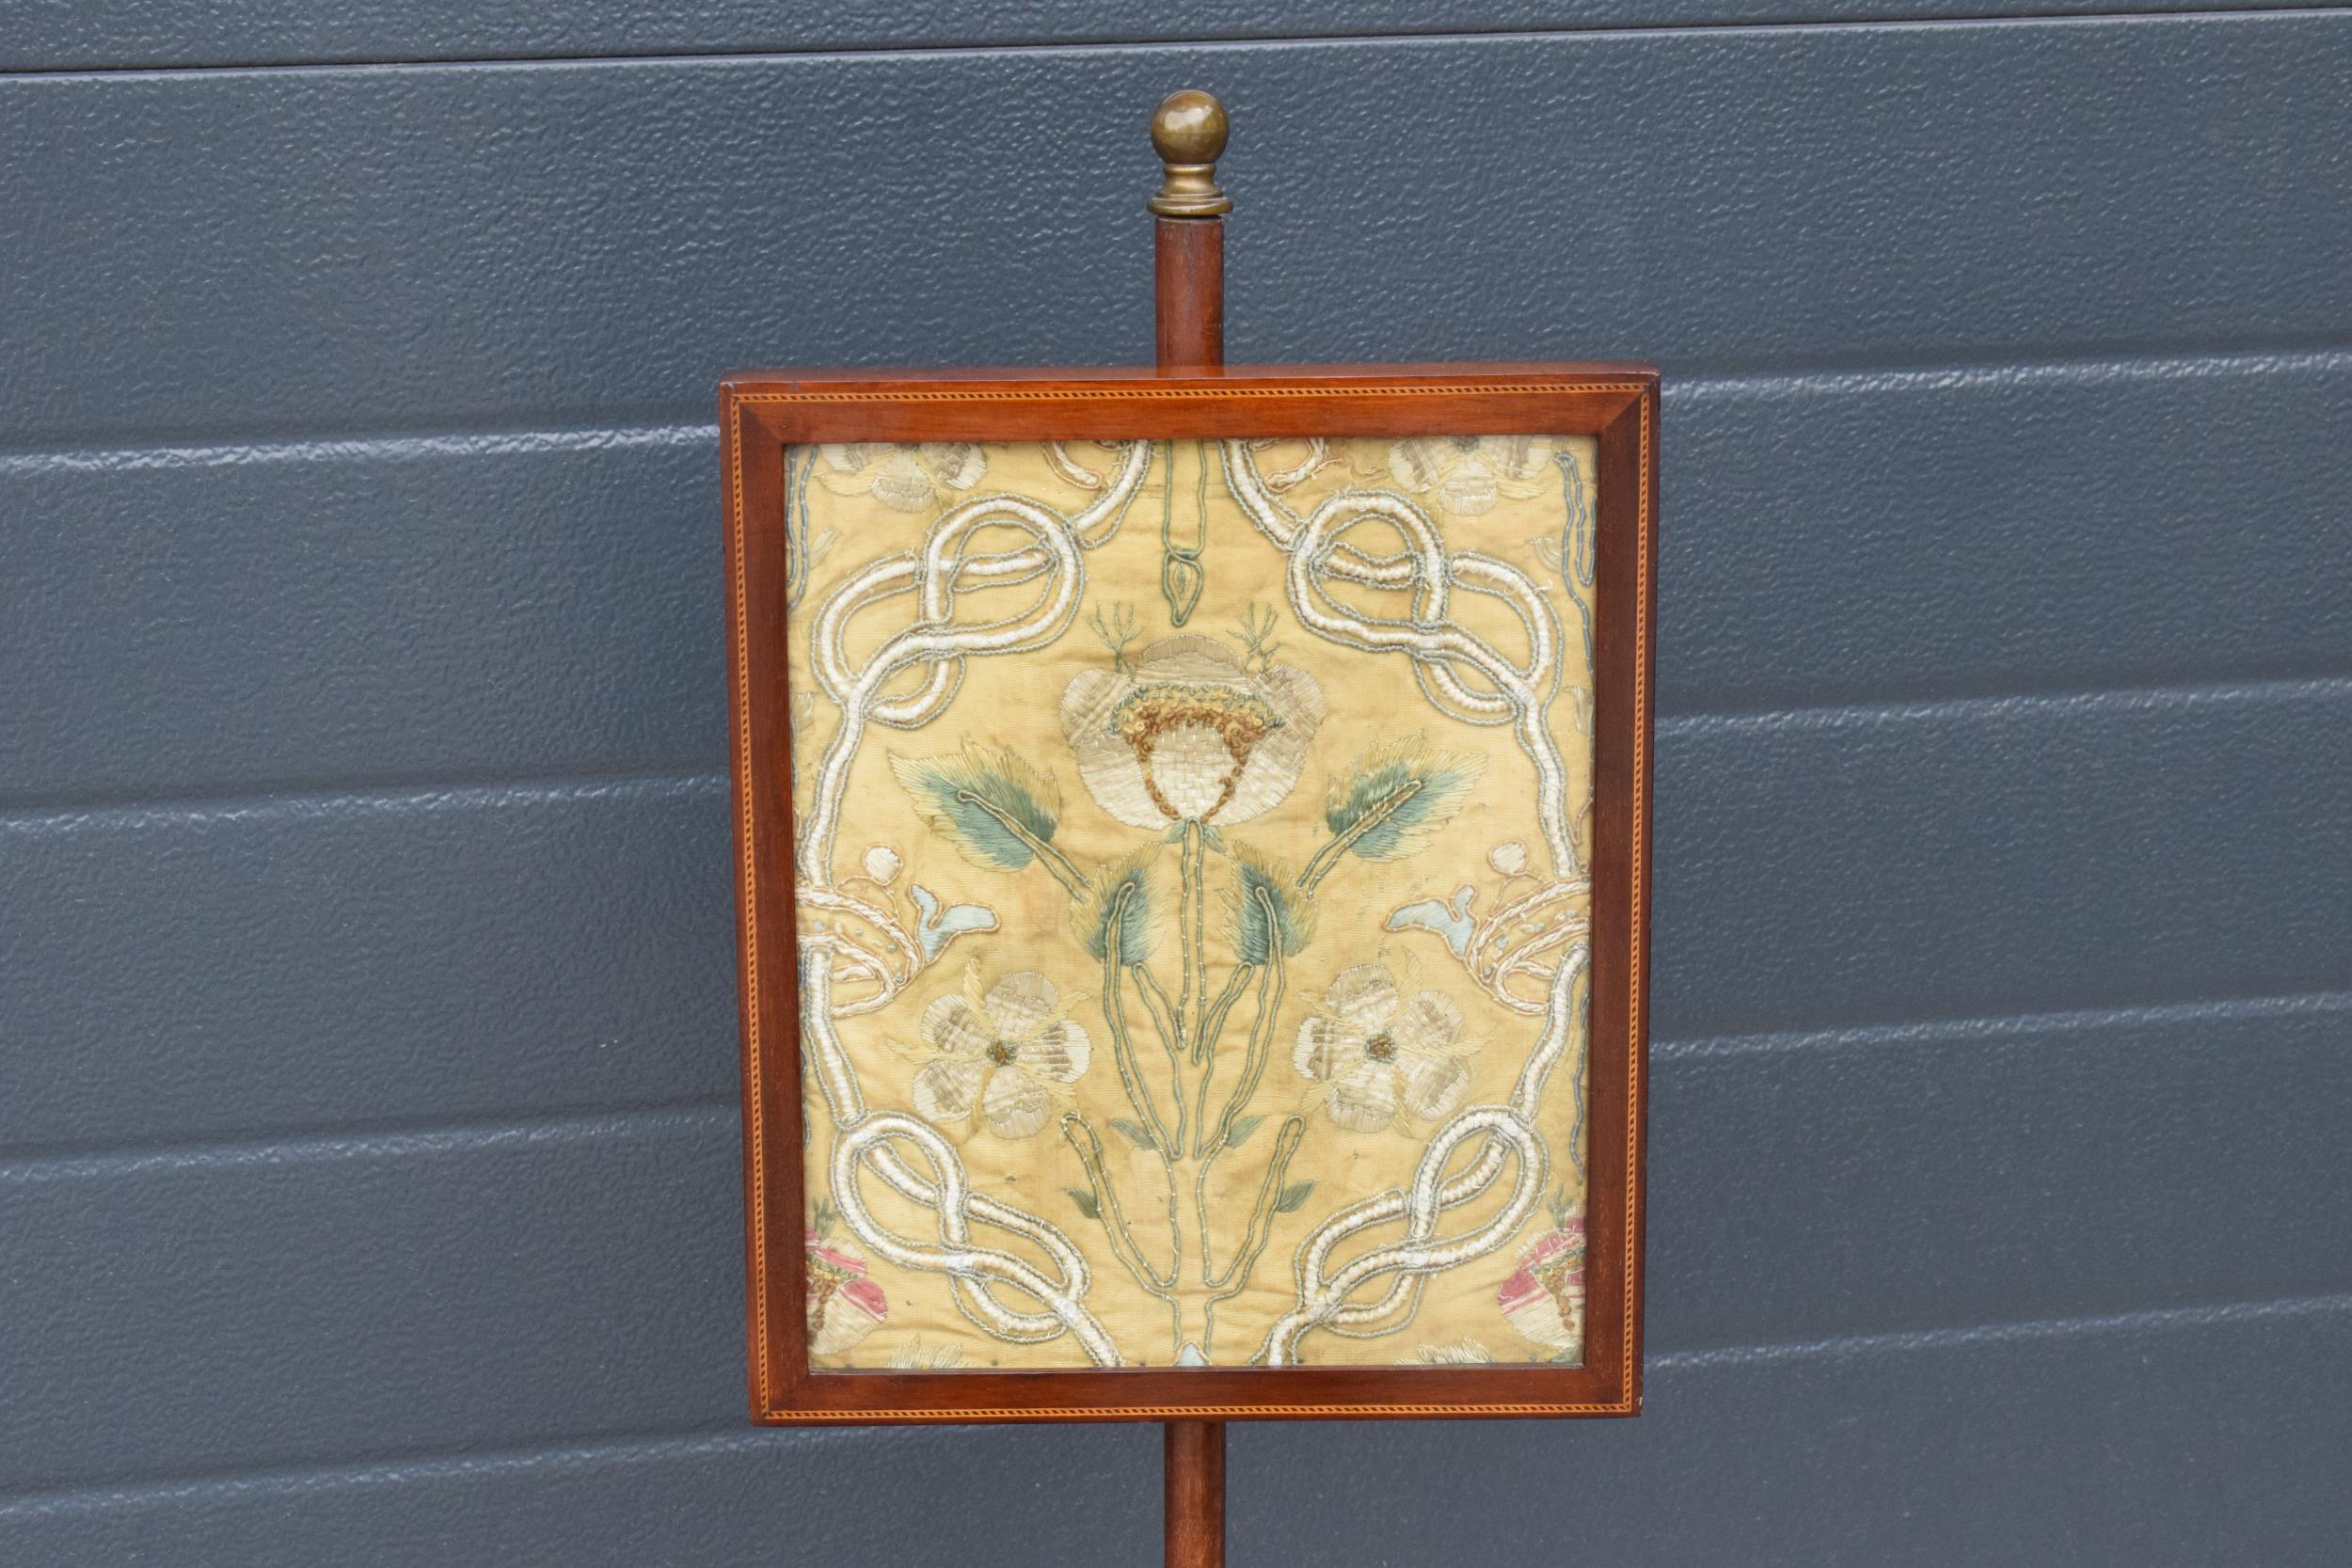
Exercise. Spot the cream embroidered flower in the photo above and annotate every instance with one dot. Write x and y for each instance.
(1375, 1051)
(1189, 735)
(1465, 1352)
(1543, 1298)
(1004, 1055)
(906, 476)
(1467, 475)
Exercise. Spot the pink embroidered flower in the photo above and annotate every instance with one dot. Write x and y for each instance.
(1545, 1298)
(1190, 735)
(844, 1306)
(1376, 1052)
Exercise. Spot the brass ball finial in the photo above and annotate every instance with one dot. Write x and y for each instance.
(1189, 132)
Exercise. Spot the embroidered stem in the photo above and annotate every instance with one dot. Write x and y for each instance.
(1155, 1002)
(1236, 1274)
(1234, 983)
(1123, 1047)
(1181, 575)
(1234, 986)
(1106, 1206)
(1192, 919)
(1270, 991)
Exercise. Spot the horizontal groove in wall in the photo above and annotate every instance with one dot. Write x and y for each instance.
(588, 933)
(1825, 547)
(366, 795)
(1993, 707)
(1919, 244)
(709, 1441)
(345, 798)
(1760, 384)
(25, 1166)
(2153, 1320)
(294, 1480)
(1994, 1027)
(1697, 17)
(353, 448)
(2151, 364)
(481, 1279)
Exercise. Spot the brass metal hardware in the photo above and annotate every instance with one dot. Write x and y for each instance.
(1189, 132)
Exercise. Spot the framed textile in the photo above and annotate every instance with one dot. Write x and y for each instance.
(1192, 841)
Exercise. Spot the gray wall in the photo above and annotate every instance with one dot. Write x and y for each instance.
(368, 1156)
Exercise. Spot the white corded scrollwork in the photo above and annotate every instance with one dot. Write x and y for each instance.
(1465, 677)
(937, 643)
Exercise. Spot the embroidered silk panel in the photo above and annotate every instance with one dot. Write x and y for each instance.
(1221, 902)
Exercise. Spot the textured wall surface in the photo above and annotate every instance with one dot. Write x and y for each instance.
(368, 1153)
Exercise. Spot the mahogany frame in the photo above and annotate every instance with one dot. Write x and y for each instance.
(760, 414)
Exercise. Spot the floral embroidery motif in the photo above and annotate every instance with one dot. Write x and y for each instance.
(1468, 476)
(1465, 1352)
(1188, 736)
(906, 476)
(1384, 758)
(916, 1356)
(1375, 1051)
(1543, 1298)
(1003, 1054)
(844, 1306)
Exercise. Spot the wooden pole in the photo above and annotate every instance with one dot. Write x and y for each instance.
(1189, 256)
(1188, 273)
(1195, 1494)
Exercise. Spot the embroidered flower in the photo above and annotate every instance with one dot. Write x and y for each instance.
(916, 1356)
(1461, 1352)
(1375, 1051)
(844, 1306)
(907, 476)
(1467, 475)
(1003, 1054)
(1187, 734)
(1545, 1299)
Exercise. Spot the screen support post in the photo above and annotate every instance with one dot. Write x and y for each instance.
(1189, 132)
(1188, 240)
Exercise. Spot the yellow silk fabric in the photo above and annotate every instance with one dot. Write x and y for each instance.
(1345, 712)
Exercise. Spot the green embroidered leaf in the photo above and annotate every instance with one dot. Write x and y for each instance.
(1263, 901)
(1088, 1205)
(1121, 892)
(1397, 797)
(1294, 1197)
(1237, 1132)
(991, 804)
(1133, 1132)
